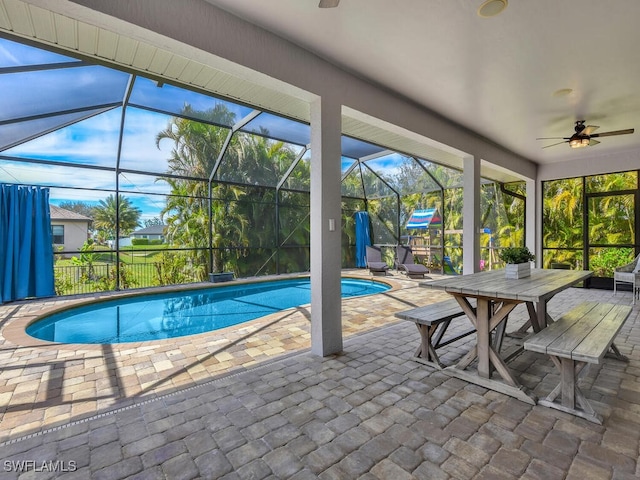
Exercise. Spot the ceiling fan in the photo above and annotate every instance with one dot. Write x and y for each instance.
(584, 136)
(328, 3)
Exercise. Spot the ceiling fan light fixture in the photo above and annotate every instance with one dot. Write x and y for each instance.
(579, 142)
(584, 136)
(491, 8)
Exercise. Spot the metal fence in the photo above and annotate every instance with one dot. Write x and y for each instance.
(76, 279)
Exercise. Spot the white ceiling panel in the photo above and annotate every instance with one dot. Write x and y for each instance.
(43, 23)
(107, 45)
(19, 18)
(126, 50)
(87, 39)
(66, 31)
(143, 56)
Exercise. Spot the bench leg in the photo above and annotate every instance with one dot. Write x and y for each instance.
(615, 353)
(572, 399)
(426, 353)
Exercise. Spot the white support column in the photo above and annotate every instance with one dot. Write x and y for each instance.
(326, 258)
(471, 215)
(531, 223)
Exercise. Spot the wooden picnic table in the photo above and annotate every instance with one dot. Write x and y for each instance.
(496, 297)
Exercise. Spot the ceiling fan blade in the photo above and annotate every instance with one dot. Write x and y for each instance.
(553, 138)
(589, 129)
(593, 142)
(615, 132)
(554, 144)
(328, 3)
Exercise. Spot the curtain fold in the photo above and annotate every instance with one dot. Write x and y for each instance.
(363, 238)
(26, 243)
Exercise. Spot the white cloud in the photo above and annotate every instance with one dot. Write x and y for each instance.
(95, 141)
(7, 57)
(36, 174)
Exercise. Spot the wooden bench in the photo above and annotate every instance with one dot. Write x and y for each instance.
(432, 322)
(582, 336)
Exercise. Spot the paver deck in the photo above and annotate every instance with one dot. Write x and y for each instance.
(252, 402)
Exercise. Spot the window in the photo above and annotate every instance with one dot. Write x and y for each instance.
(57, 231)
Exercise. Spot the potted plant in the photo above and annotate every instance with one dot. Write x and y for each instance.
(518, 260)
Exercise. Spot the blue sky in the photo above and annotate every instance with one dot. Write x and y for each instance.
(94, 142)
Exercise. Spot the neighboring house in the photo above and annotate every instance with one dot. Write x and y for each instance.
(69, 229)
(153, 232)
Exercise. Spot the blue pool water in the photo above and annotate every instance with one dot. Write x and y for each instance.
(176, 314)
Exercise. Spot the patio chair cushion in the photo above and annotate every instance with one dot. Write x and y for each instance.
(404, 261)
(377, 265)
(414, 269)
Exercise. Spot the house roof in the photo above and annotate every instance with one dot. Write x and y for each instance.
(58, 213)
(151, 230)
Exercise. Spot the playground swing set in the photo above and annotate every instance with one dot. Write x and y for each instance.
(426, 242)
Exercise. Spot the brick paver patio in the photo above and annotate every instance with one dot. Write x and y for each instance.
(251, 402)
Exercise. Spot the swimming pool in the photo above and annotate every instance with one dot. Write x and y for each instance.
(176, 314)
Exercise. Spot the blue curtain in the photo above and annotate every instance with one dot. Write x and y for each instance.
(363, 238)
(26, 243)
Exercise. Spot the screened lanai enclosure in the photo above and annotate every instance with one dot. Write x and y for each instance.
(152, 184)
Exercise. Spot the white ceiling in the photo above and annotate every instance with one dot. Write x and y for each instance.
(496, 76)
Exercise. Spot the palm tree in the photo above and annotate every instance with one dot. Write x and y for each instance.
(562, 216)
(104, 216)
(196, 147)
(241, 212)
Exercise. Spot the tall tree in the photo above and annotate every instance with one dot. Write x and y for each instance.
(77, 206)
(152, 222)
(196, 147)
(104, 216)
(241, 213)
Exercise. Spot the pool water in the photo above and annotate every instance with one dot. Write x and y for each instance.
(176, 314)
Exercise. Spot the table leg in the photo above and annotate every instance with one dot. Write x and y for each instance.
(483, 336)
(487, 318)
(538, 319)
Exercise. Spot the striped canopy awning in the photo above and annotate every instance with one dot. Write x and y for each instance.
(423, 219)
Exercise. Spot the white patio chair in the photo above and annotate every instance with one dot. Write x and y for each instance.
(629, 273)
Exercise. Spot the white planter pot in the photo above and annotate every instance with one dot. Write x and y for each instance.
(517, 270)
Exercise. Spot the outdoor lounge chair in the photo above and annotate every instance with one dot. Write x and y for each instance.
(374, 261)
(629, 273)
(405, 261)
